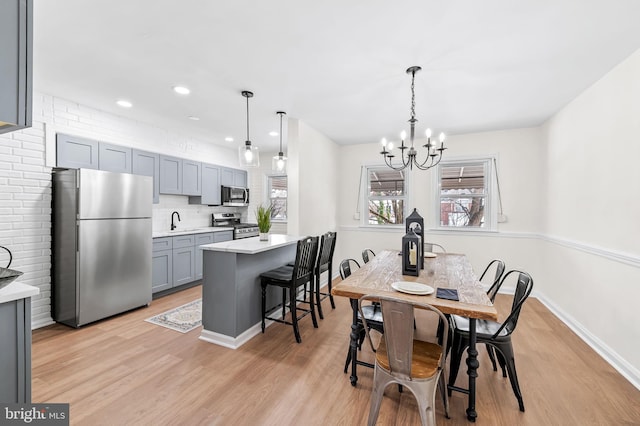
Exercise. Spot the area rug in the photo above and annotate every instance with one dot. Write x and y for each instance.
(183, 318)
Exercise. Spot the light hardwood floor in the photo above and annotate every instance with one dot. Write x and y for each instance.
(125, 371)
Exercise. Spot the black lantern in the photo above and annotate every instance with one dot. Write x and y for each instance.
(415, 222)
(411, 254)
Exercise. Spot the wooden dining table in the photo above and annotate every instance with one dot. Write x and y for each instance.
(446, 270)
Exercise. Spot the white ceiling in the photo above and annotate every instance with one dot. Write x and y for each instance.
(337, 65)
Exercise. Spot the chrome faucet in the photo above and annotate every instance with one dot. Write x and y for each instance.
(172, 225)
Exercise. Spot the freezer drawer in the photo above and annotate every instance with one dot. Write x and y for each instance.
(114, 267)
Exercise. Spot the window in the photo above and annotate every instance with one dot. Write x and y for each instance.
(277, 187)
(386, 196)
(465, 194)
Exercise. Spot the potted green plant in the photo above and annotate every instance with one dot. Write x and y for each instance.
(263, 217)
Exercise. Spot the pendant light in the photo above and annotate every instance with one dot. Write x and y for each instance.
(249, 155)
(279, 162)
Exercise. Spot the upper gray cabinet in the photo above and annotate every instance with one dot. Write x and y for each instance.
(191, 177)
(73, 152)
(16, 52)
(170, 175)
(114, 158)
(210, 186)
(147, 164)
(233, 177)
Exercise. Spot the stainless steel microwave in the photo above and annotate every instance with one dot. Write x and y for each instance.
(235, 196)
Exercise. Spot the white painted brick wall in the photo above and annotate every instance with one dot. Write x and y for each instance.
(26, 159)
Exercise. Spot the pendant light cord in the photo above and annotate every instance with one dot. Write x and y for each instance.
(248, 119)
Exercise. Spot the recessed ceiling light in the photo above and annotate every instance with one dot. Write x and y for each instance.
(273, 133)
(124, 104)
(181, 90)
(194, 118)
(228, 139)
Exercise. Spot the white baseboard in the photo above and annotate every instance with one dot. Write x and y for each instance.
(43, 322)
(621, 365)
(232, 342)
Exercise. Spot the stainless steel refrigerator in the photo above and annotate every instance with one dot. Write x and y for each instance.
(101, 244)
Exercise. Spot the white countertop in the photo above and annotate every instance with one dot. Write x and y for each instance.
(252, 245)
(16, 290)
(191, 231)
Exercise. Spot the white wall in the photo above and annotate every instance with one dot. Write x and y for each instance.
(313, 180)
(26, 158)
(592, 258)
(519, 154)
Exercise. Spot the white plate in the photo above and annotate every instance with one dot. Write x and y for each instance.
(412, 288)
(429, 254)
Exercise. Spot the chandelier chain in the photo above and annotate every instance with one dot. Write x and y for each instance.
(413, 95)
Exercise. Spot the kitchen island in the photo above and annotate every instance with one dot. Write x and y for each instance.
(231, 294)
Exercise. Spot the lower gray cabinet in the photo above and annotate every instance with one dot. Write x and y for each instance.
(15, 356)
(184, 259)
(200, 240)
(178, 260)
(162, 264)
(162, 273)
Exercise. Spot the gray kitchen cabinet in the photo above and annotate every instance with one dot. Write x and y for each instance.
(15, 356)
(74, 152)
(147, 164)
(226, 176)
(233, 177)
(170, 175)
(184, 259)
(162, 270)
(240, 178)
(114, 158)
(200, 240)
(221, 236)
(210, 187)
(191, 177)
(162, 264)
(16, 45)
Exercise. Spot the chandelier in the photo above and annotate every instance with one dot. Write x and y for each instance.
(433, 154)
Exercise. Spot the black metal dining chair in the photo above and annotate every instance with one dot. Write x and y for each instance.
(291, 279)
(499, 267)
(371, 312)
(367, 254)
(495, 334)
(325, 264)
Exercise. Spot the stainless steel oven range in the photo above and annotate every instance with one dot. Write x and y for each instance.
(240, 230)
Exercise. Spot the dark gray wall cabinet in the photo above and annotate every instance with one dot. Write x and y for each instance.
(73, 152)
(114, 158)
(15, 356)
(16, 54)
(147, 164)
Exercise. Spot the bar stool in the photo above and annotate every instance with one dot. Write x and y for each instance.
(325, 264)
(291, 279)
